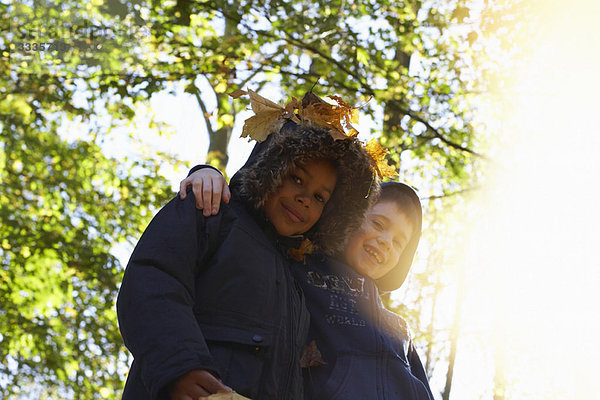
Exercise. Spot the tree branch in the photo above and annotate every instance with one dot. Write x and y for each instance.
(205, 113)
(445, 195)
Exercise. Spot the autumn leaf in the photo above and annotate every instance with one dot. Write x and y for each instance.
(325, 115)
(306, 247)
(290, 110)
(261, 125)
(267, 115)
(260, 104)
(223, 395)
(338, 118)
(340, 102)
(310, 98)
(238, 93)
(354, 116)
(377, 153)
(311, 356)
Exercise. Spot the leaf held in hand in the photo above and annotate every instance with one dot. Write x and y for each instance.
(222, 395)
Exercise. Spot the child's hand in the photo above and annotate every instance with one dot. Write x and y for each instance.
(209, 187)
(195, 384)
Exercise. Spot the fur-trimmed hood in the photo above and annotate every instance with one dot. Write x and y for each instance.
(395, 278)
(355, 191)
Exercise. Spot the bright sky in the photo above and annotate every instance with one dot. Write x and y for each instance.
(535, 251)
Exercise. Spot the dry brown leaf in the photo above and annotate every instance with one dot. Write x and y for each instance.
(337, 118)
(261, 125)
(306, 247)
(238, 93)
(222, 395)
(260, 104)
(311, 356)
(310, 98)
(340, 102)
(377, 153)
(325, 115)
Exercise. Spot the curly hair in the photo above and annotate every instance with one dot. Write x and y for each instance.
(356, 188)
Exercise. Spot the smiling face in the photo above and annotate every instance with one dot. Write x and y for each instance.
(375, 249)
(298, 203)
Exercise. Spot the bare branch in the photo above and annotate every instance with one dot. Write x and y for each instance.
(450, 194)
(205, 113)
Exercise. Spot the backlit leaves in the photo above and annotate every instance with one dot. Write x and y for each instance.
(266, 119)
(336, 117)
(377, 153)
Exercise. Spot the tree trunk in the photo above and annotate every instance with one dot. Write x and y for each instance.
(499, 378)
(219, 140)
(392, 115)
(454, 333)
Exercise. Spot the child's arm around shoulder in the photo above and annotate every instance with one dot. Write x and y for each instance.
(156, 300)
(209, 187)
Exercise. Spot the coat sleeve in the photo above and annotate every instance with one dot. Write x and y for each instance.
(416, 368)
(202, 166)
(156, 298)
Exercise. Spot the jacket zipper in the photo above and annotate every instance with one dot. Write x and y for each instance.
(294, 325)
(290, 326)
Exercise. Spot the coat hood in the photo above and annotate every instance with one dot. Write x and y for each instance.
(395, 278)
(271, 160)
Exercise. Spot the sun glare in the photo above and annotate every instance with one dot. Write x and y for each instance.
(533, 255)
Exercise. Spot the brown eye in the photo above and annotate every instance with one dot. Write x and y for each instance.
(378, 225)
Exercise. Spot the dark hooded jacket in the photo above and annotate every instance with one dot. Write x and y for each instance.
(364, 350)
(216, 293)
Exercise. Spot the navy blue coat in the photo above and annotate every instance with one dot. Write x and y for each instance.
(367, 350)
(211, 293)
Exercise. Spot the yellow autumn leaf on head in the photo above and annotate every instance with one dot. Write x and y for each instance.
(290, 110)
(352, 133)
(354, 116)
(325, 115)
(377, 153)
(348, 113)
(267, 115)
(260, 104)
(340, 102)
(261, 125)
